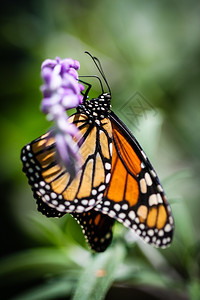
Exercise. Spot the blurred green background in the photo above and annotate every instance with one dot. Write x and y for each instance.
(147, 48)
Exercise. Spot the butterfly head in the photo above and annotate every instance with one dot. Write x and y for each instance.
(96, 108)
(106, 97)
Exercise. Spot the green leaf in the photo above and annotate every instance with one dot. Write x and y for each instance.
(74, 232)
(33, 263)
(48, 229)
(150, 126)
(185, 229)
(59, 287)
(194, 289)
(99, 274)
(171, 181)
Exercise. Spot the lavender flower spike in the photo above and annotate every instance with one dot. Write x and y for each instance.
(62, 91)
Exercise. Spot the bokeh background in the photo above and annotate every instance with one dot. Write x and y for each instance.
(150, 52)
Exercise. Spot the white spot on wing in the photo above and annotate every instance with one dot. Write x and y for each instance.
(111, 148)
(159, 198)
(153, 173)
(122, 215)
(84, 202)
(127, 222)
(148, 179)
(55, 202)
(80, 208)
(42, 191)
(46, 197)
(102, 187)
(107, 235)
(153, 200)
(61, 207)
(143, 186)
(125, 206)
(112, 213)
(159, 187)
(108, 178)
(168, 228)
(105, 208)
(142, 226)
(150, 232)
(144, 155)
(131, 215)
(117, 207)
(53, 195)
(72, 207)
(91, 202)
(107, 166)
(99, 196)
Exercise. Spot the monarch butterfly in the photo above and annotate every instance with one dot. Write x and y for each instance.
(116, 181)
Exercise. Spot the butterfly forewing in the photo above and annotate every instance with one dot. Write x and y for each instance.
(135, 196)
(50, 180)
(48, 211)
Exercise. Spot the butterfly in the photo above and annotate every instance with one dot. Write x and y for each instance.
(116, 180)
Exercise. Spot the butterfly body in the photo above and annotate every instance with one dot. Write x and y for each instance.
(115, 181)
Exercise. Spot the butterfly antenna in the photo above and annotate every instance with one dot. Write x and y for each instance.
(95, 76)
(102, 72)
(100, 66)
(100, 69)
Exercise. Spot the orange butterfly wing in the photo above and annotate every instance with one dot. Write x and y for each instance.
(51, 182)
(134, 195)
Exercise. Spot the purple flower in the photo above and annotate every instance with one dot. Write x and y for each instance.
(62, 91)
(67, 152)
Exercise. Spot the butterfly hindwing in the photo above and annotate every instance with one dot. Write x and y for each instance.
(50, 180)
(97, 229)
(135, 196)
(96, 226)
